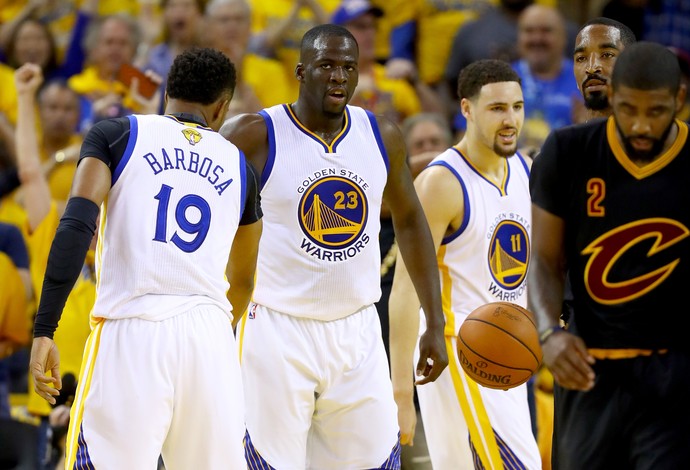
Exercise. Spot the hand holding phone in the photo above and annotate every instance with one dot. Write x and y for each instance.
(147, 87)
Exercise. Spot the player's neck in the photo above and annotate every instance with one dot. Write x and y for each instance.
(191, 109)
(326, 126)
(597, 113)
(483, 158)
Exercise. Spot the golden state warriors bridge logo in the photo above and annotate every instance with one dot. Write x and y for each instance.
(508, 257)
(333, 215)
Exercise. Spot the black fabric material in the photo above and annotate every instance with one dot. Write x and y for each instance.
(252, 207)
(65, 261)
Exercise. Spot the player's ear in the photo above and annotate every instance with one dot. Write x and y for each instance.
(299, 71)
(680, 97)
(465, 107)
(221, 109)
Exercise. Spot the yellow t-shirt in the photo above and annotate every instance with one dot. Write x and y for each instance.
(12, 212)
(269, 13)
(15, 324)
(62, 17)
(8, 94)
(437, 24)
(267, 79)
(393, 98)
(89, 84)
(60, 178)
(74, 327)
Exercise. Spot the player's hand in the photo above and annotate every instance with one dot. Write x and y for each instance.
(401, 69)
(433, 357)
(567, 358)
(147, 105)
(407, 418)
(44, 358)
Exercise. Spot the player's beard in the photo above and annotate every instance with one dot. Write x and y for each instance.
(503, 151)
(596, 101)
(647, 155)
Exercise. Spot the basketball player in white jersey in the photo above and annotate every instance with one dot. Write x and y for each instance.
(476, 198)
(315, 371)
(179, 203)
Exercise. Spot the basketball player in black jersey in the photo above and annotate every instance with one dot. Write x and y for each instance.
(610, 207)
(597, 46)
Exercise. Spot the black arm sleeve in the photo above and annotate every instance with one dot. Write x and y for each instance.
(65, 261)
(107, 141)
(252, 206)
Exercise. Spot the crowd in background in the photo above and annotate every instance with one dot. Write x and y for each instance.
(411, 52)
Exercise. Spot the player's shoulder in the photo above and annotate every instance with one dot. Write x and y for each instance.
(581, 132)
(244, 126)
(111, 129)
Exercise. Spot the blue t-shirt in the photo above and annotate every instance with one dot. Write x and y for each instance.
(12, 244)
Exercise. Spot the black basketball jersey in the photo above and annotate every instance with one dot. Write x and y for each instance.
(627, 228)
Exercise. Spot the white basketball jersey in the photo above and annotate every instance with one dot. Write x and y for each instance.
(486, 259)
(169, 220)
(319, 253)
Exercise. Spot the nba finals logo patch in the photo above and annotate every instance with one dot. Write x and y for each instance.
(193, 136)
(333, 213)
(508, 258)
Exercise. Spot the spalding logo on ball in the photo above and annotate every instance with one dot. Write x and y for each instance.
(498, 345)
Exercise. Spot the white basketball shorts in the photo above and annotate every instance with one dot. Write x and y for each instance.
(170, 387)
(498, 421)
(318, 394)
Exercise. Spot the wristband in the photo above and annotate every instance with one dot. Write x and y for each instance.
(545, 334)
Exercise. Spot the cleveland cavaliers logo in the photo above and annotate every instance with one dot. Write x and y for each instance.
(604, 252)
(509, 254)
(193, 136)
(333, 212)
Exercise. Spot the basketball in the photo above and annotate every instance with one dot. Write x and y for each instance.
(498, 345)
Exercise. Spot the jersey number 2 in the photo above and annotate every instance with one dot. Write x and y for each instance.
(199, 229)
(596, 188)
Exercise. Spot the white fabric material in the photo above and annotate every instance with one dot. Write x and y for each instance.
(486, 261)
(183, 394)
(318, 394)
(319, 253)
(168, 223)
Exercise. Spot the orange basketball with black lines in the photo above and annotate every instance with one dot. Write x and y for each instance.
(498, 345)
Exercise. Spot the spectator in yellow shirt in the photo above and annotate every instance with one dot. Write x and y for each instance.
(391, 97)
(42, 221)
(278, 27)
(111, 43)
(261, 82)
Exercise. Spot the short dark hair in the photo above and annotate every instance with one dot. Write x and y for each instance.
(483, 72)
(328, 30)
(59, 83)
(627, 35)
(201, 75)
(647, 66)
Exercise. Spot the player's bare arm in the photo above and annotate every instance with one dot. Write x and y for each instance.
(242, 266)
(564, 353)
(433, 184)
(416, 247)
(248, 132)
(91, 184)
